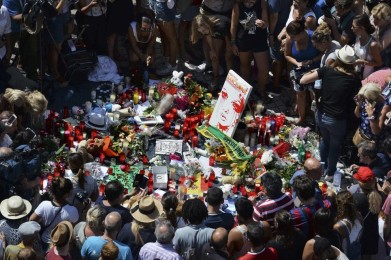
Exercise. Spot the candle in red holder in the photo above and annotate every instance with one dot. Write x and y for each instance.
(194, 141)
(79, 138)
(174, 112)
(212, 160)
(110, 171)
(184, 130)
(167, 126)
(102, 189)
(127, 168)
(122, 157)
(176, 133)
(66, 134)
(65, 113)
(70, 141)
(77, 130)
(308, 154)
(56, 174)
(102, 157)
(93, 134)
(82, 125)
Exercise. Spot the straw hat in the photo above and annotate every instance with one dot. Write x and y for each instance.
(147, 209)
(62, 233)
(346, 54)
(15, 207)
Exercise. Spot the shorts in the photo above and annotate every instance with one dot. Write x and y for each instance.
(254, 43)
(56, 28)
(275, 51)
(163, 13)
(221, 24)
(300, 87)
(189, 14)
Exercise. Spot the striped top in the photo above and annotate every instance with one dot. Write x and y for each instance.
(265, 210)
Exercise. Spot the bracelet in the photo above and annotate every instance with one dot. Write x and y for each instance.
(371, 117)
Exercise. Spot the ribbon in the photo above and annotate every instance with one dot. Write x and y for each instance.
(233, 149)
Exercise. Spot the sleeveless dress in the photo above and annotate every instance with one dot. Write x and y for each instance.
(249, 36)
(363, 52)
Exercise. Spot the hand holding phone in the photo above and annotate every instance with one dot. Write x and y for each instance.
(11, 120)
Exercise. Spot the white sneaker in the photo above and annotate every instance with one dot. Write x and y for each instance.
(167, 70)
(202, 67)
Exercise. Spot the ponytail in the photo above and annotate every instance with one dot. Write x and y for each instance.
(80, 178)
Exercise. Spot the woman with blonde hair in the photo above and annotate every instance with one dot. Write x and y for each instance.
(142, 229)
(371, 108)
(349, 224)
(381, 14)
(202, 27)
(93, 226)
(28, 106)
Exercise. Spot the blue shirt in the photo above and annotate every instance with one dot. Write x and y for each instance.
(282, 7)
(93, 245)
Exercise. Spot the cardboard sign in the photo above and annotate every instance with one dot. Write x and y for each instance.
(231, 104)
(167, 146)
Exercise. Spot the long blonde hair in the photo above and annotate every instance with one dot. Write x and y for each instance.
(375, 200)
(198, 21)
(136, 226)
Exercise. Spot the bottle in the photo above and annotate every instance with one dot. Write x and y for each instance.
(301, 153)
(337, 180)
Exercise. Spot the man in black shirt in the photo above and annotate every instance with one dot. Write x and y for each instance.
(216, 217)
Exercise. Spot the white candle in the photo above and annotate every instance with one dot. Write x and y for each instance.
(93, 95)
(112, 98)
(258, 109)
(88, 106)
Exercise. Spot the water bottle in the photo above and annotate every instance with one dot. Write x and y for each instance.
(337, 180)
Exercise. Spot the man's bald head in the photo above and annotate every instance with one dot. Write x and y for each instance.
(113, 222)
(219, 238)
(5, 152)
(313, 168)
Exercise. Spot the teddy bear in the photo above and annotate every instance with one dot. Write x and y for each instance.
(177, 78)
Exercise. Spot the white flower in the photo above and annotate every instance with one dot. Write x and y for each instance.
(267, 157)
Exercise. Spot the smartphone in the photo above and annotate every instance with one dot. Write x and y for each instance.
(140, 181)
(31, 133)
(11, 120)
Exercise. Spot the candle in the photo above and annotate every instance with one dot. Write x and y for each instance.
(120, 88)
(247, 118)
(93, 134)
(110, 171)
(93, 95)
(79, 138)
(88, 106)
(70, 142)
(122, 157)
(259, 108)
(99, 102)
(112, 98)
(194, 141)
(102, 157)
(101, 189)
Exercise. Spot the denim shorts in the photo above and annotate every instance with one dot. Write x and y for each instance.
(56, 27)
(163, 13)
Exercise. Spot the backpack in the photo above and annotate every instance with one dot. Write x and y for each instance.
(353, 249)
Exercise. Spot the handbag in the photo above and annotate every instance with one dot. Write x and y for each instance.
(359, 137)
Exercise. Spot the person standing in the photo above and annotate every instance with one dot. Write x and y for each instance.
(335, 105)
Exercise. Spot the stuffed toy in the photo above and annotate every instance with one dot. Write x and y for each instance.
(177, 78)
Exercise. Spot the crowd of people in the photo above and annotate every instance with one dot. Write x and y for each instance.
(334, 54)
